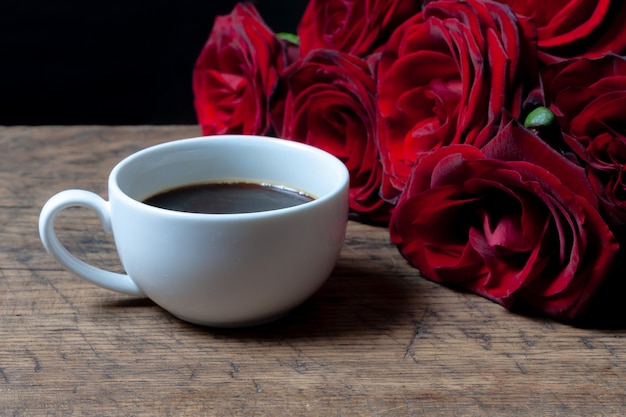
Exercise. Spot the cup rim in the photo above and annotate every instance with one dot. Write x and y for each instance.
(341, 184)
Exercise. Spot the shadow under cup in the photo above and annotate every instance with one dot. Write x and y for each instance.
(229, 269)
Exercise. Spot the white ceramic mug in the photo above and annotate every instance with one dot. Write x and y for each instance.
(216, 269)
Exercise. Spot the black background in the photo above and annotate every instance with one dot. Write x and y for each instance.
(113, 62)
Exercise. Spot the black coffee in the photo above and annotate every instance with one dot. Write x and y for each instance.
(227, 198)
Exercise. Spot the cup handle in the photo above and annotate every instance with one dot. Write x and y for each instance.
(79, 198)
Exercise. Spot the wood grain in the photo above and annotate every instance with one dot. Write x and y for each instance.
(376, 340)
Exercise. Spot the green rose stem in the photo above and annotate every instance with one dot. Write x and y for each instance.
(289, 37)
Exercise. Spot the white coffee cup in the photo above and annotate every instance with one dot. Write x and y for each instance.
(216, 269)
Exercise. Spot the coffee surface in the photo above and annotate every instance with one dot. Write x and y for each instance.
(227, 198)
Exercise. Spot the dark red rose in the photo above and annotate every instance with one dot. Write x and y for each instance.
(445, 77)
(588, 96)
(515, 222)
(328, 100)
(575, 28)
(354, 26)
(236, 72)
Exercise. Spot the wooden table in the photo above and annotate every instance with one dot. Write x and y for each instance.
(376, 340)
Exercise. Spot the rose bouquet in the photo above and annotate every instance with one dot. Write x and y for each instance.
(489, 136)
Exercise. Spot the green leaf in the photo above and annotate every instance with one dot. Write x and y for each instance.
(289, 37)
(540, 117)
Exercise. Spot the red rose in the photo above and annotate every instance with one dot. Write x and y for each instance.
(445, 77)
(354, 26)
(515, 222)
(235, 74)
(589, 100)
(575, 28)
(327, 100)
